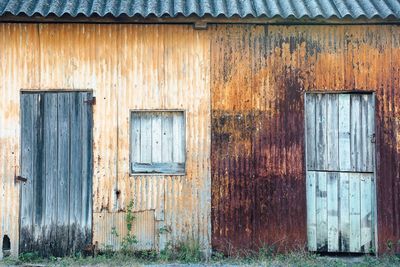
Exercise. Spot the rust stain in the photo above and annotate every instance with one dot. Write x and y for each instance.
(258, 176)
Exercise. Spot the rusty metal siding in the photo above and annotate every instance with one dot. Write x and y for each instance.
(15, 40)
(127, 67)
(259, 76)
(158, 73)
(255, 141)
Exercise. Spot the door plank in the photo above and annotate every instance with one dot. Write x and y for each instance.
(311, 211)
(63, 172)
(333, 212)
(28, 108)
(371, 134)
(86, 180)
(310, 131)
(344, 199)
(354, 189)
(38, 173)
(344, 133)
(366, 212)
(332, 131)
(321, 150)
(75, 237)
(355, 133)
(322, 212)
(364, 140)
(50, 171)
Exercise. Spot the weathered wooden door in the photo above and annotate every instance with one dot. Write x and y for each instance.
(340, 152)
(56, 160)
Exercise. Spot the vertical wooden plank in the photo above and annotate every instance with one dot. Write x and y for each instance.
(39, 161)
(145, 138)
(354, 199)
(86, 213)
(366, 212)
(50, 171)
(333, 211)
(28, 108)
(310, 128)
(178, 133)
(311, 211)
(344, 133)
(344, 194)
(63, 172)
(89, 214)
(156, 136)
(365, 143)
(355, 126)
(321, 149)
(371, 134)
(332, 132)
(167, 145)
(135, 137)
(76, 172)
(322, 212)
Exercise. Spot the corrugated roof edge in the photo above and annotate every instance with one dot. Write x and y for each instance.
(193, 14)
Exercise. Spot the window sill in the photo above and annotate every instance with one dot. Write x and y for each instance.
(156, 174)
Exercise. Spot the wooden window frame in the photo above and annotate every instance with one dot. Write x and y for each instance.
(172, 173)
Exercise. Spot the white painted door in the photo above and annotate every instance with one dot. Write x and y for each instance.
(340, 161)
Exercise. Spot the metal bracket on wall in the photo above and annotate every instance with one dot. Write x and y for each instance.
(373, 138)
(91, 101)
(200, 25)
(21, 179)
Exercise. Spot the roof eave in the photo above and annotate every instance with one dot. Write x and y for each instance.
(193, 19)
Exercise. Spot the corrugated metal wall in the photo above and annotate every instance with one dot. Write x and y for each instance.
(259, 76)
(15, 74)
(128, 67)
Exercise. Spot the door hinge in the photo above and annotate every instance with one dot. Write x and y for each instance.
(21, 179)
(373, 139)
(91, 101)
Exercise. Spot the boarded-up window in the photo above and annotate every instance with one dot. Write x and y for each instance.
(158, 142)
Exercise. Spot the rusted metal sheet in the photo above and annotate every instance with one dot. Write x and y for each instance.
(110, 229)
(127, 67)
(257, 146)
(14, 40)
(259, 77)
(158, 73)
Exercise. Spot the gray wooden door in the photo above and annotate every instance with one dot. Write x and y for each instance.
(56, 160)
(340, 152)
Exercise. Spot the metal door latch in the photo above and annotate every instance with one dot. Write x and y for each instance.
(21, 179)
(373, 138)
(91, 101)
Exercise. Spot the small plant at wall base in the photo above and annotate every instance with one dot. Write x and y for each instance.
(186, 252)
(129, 240)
